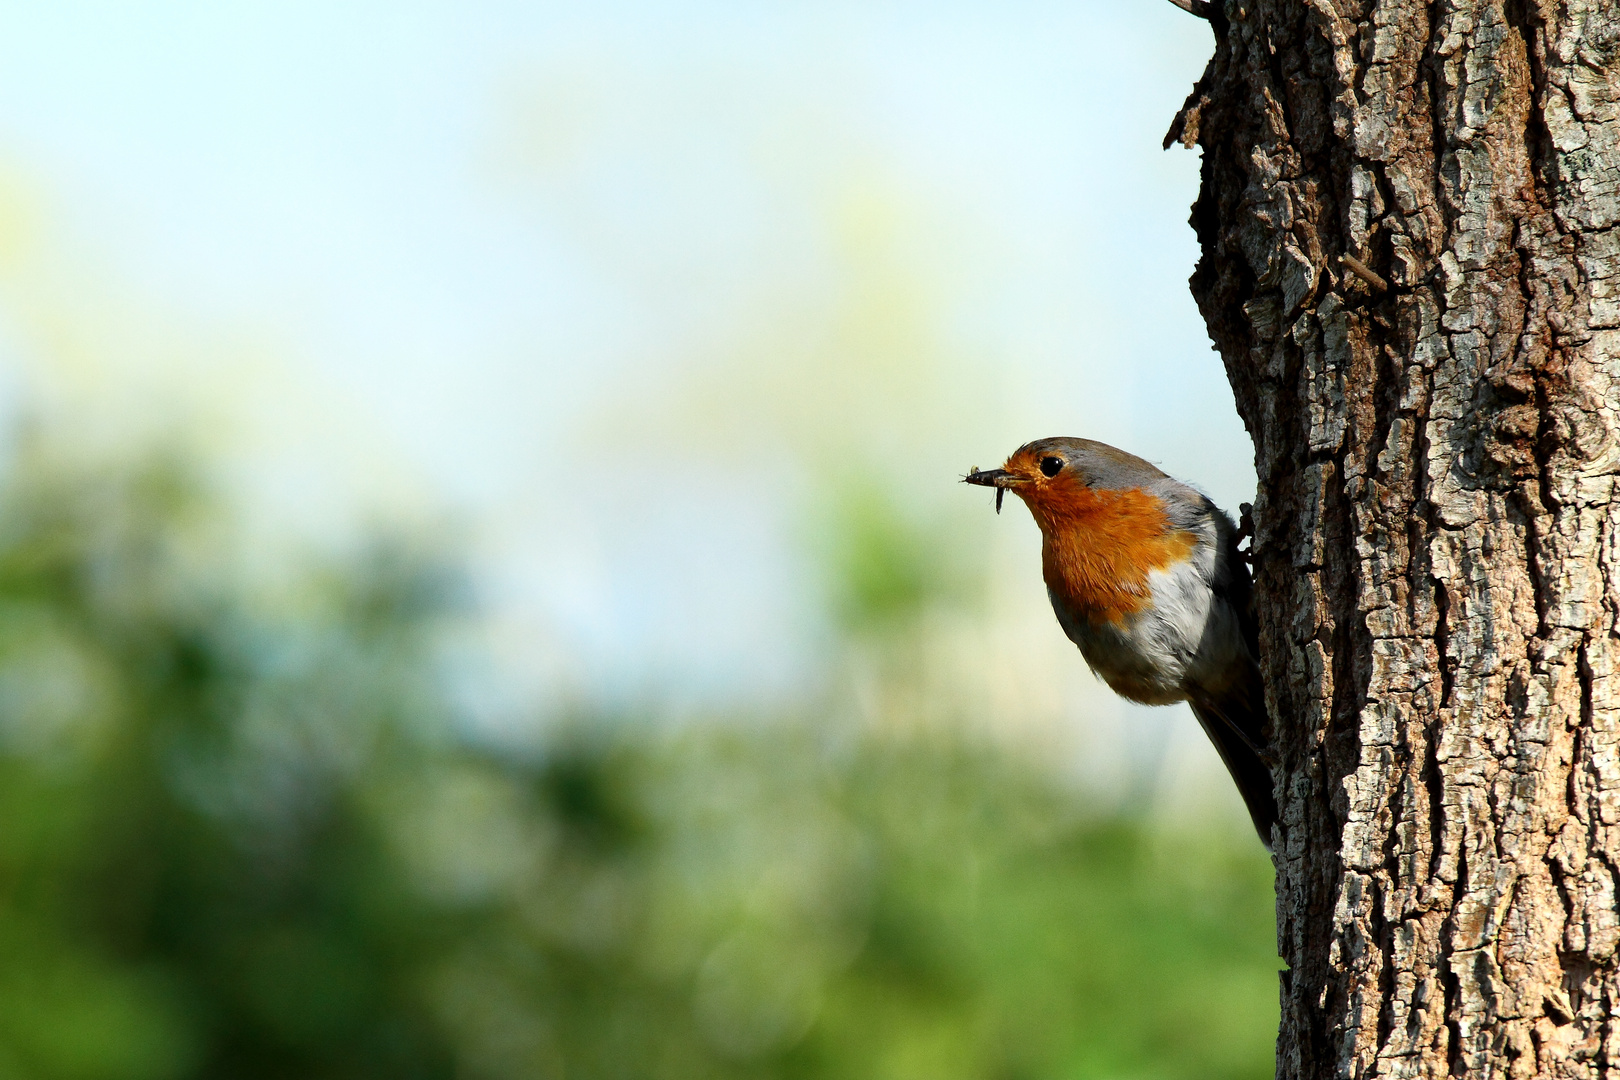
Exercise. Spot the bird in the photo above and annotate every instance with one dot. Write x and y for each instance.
(1146, 577)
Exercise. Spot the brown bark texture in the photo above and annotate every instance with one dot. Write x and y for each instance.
(1437, 553)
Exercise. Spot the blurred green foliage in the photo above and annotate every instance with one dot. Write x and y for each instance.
(239, 837)
(883, 568)
(889, 563)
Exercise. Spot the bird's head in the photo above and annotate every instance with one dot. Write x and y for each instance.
(1061, 477)
(1104, 519)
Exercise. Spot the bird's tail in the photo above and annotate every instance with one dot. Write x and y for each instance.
(1238, 730)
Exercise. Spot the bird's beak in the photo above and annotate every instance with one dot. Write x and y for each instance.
(1000, 479)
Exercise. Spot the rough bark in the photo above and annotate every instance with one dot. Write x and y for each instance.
(1438, 519)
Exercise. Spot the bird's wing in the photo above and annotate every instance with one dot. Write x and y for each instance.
(1231, 582)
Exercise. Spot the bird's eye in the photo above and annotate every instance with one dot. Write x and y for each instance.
(1051, 466)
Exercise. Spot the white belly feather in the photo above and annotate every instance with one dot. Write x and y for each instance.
(1186, 638)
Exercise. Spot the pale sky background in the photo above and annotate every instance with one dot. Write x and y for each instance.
(626, 290)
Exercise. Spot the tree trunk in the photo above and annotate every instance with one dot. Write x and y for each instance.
(1438, 519)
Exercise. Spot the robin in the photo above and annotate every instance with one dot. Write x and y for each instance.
(1145, 576)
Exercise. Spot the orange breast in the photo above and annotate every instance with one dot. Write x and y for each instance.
(1100, 547)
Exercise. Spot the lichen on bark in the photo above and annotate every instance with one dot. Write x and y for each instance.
(1438, 517)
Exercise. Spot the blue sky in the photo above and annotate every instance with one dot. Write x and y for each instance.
(619, 286)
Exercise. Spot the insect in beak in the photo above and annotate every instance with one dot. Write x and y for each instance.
(996, 478)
